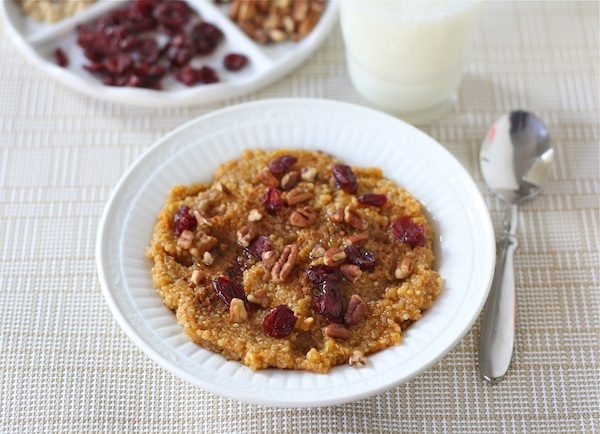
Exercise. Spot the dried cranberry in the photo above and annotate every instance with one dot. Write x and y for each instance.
(227, 290)
(282, 164)
(280, 322)
(206, 37)
(147, 51)
(372, 199)
(94, 67)
(329, 302)
(184, 220)
(118, 64)
(207, 75)
(61, 58)
(260, 245)
(234, 61)
(187, 75)
(317, 274)
(179, 51)
(364, 259)
(145, 6)
(272, 200)
(172, 14)
(409, 232)
(345, 178)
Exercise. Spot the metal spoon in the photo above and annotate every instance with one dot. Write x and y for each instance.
(515, 161)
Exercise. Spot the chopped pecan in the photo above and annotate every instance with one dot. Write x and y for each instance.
(318, 251)
(404, 268)
(351, 272)
(277, 35)
(353, 218)
(290, 180)
(334, 257)
(284, 265)
(308, 174)
(207, 258)
(358, 239)
(336, 331)
(185, 239)
(268, 179)
(254, 215)
(237, 310)
(219, 186)
(303, 217)
(204, 243)
(337, 216)
(260, 297)
(355, 311)
(268, 258)
(203, 221)
(297, 195)
(245, 235)
(357, 359)
(195, 279)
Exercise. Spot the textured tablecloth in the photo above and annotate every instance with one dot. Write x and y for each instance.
(66, 366)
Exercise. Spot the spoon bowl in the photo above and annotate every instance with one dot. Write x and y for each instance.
(516, 156)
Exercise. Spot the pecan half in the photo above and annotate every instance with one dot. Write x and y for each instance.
(351, 272)
(268, 179)
(337, 216)
(336, 331)
(284, 265)
(245, 235)
(404, 268)
(297, 195)
(237, 311)
(290, 180)
(308, 174)
(303, 217)
(357, 240)
(334, 257)
(268, 258)
(355, 311)
(357, 359)
(260, 297)
(353, 218)
(185, 239)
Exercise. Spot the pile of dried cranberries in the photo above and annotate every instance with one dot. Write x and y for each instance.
(139, 44)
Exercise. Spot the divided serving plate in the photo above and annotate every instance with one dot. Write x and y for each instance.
(268, 63)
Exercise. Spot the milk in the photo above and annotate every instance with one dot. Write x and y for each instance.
(407, 56)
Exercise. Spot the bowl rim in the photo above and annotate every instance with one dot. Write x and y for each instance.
(102, 248)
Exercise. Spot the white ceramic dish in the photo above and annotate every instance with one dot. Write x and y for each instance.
(267, 63)
(359, 136)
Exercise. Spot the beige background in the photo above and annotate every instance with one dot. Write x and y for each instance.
(65, 366)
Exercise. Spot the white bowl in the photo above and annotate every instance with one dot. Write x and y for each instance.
(357, 135)
(267, 63)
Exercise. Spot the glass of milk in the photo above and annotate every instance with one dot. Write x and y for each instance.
(407, 56)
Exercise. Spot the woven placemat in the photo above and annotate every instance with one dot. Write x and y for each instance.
(65, 365)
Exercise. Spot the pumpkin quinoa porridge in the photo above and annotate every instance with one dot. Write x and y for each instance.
(291, 259)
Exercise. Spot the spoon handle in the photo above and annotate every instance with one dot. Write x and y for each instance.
(498, 323)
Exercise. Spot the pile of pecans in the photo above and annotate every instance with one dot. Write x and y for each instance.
(272, 21)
